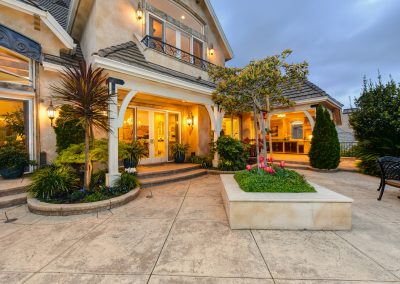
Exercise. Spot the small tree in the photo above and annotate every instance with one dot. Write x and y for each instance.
(376, 123)
(258, 87)
(68, 131)
(325, 147)
(84, 89)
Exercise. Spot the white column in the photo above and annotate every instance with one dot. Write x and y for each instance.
(310, 119)
(113, 173)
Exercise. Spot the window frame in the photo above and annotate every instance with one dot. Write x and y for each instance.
(179, 32)
(30, 68)
(296, 123)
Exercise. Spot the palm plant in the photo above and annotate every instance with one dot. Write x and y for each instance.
(84, 89)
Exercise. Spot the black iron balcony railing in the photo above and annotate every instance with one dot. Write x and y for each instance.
(170, 50)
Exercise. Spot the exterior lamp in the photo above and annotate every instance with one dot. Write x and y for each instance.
(139, 12)
(51, 112)
(212, 50)
(189, 120)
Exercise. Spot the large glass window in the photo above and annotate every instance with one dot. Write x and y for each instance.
(14, 68)
(297, 130)
(179, 13)
(231, 127)
(13, 121)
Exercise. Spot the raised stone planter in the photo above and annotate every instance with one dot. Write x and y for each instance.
(49, 209)
(321, 210)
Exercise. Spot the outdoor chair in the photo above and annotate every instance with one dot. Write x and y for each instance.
(390, 173)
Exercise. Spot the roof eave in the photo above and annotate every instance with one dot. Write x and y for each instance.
(46, 17)
(228, 48)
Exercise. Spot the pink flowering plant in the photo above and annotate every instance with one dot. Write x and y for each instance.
(272, 178)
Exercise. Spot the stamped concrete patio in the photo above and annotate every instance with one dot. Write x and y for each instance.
(181, 235)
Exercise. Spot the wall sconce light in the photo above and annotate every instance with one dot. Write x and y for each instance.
(139, 12)
(211, 49)
(189, 120)
(51, 112)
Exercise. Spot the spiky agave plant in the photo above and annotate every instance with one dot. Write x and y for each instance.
(84, 88)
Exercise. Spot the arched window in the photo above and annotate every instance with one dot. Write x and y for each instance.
(14, 68)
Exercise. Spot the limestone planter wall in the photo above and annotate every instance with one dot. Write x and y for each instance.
(321, 210)
(49, 209)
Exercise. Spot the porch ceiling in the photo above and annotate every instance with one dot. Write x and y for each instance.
(142, 98)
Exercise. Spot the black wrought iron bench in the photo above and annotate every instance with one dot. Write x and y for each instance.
(390, 173)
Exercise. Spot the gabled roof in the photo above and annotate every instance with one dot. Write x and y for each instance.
(307, 91)
(220, 30)
(129, 53)
(59, 9)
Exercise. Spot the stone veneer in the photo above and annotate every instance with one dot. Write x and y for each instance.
(321, 210)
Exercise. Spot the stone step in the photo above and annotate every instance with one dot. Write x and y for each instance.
(12, 200)
(164, 179)
(168, 172)
(12, 191)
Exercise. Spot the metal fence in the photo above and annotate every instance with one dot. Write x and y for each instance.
(348, 149)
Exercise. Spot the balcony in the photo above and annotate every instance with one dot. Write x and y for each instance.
(172, 51)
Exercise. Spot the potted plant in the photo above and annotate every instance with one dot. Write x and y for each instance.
(132, 153)
(179, 151)
(14, 158)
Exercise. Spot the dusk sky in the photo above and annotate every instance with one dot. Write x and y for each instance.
(342, 40)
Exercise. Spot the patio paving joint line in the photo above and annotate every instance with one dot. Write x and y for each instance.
(370, 258)
(73, 244)
(169, 232)
(265, 262)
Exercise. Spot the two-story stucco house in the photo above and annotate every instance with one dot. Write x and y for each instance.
(160, 49)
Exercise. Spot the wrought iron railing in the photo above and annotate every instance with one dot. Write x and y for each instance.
(348, 149)
(170, 50)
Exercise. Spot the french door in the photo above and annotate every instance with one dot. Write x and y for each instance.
(157, 130)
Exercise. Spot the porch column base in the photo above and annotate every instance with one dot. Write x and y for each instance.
(112, 178)
(215, 161)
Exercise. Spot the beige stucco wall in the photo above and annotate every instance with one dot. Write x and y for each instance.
(23, 23)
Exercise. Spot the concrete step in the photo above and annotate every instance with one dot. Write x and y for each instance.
(12, 191)
(12, 200)
(168, 172)
(165, 179)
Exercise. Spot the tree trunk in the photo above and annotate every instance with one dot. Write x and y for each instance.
(256, 135)
(269, 127)
(86, 177)
(263, 137)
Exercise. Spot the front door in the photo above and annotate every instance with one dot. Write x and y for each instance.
(151, 129)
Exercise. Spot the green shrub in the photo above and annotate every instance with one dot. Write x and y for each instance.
(281, 181)
(95, 196)
(126, 183)
(14, 154)
(325, 146)
(51, 181)
(67, 129)
(204, 161)
(98, 180)
(376, 124)
(233, 154)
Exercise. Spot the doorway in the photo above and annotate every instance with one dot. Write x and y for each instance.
(156, 129)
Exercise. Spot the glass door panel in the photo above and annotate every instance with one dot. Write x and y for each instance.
(170, 38)
(127, 131)
(156, 30)
(197, 51)
(143, 129)
(185, 46)
(159, 135)
(173, 132)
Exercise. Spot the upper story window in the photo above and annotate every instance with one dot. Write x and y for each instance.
(175, 32)
(15, 68)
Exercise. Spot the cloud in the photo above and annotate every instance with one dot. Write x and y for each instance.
(342, 40)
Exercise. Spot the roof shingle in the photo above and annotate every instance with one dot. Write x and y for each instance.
(129, 53)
